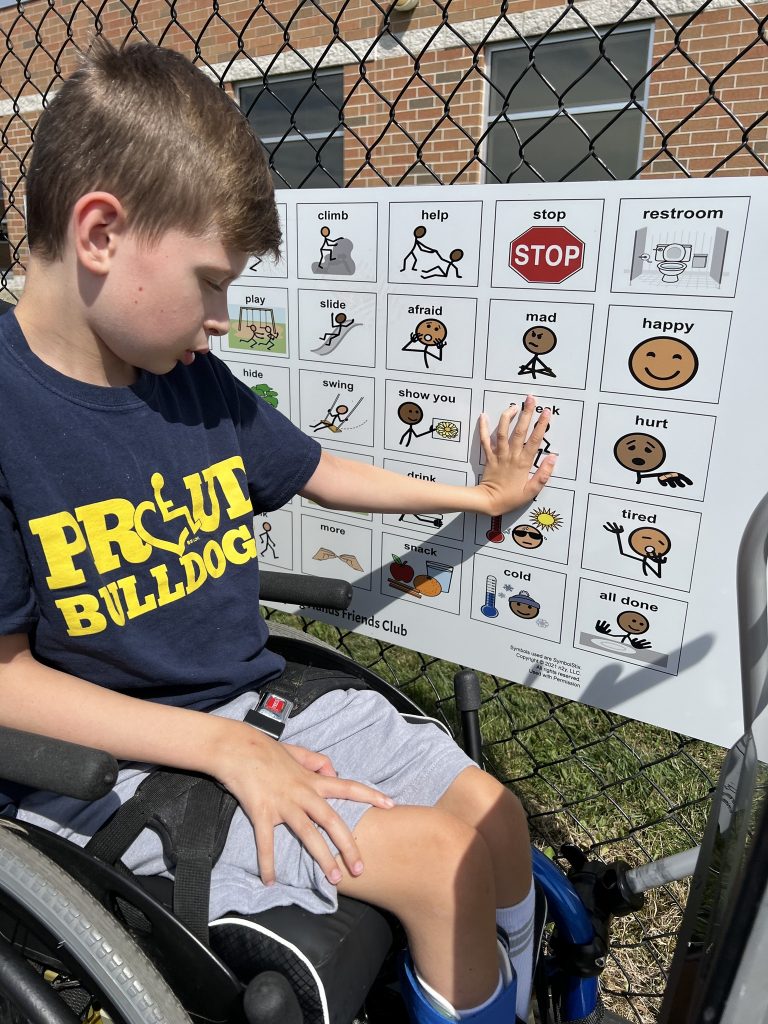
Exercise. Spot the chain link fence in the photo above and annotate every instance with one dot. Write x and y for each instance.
(355, 93)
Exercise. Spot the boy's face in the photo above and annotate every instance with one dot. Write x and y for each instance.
(158, 304)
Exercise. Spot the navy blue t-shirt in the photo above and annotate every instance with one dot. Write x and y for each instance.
(126, 524)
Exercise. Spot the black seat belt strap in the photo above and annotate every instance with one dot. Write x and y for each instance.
(111, 841)
(195, 847)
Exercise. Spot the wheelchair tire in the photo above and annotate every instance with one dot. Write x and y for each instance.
(113, 963)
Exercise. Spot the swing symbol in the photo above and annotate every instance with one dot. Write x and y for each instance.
(336, 428)
(257, 326)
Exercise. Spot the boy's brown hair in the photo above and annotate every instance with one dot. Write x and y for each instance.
(147, 126)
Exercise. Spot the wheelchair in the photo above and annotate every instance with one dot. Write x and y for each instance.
(82, 940)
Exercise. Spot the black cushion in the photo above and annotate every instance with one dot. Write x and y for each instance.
(330, 959)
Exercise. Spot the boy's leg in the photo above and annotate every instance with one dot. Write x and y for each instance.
(434, 872)
(479, 800)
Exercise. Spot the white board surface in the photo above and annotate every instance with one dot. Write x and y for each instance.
(635, 311)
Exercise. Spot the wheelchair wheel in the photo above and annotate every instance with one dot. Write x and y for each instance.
(80, 949)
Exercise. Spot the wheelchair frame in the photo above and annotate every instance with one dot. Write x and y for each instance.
(184, 978)
(161, 974)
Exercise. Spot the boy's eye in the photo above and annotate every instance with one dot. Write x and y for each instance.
(216, 287)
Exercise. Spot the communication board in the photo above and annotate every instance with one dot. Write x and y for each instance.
(634, 311)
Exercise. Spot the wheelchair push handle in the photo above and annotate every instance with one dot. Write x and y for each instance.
(45, 763)
(291, 588)
(466, 689)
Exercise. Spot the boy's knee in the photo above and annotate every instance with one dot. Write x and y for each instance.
(450, 852)
(494, 798)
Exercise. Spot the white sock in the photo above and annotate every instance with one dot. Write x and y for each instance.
(517, 922)
(441, 1004)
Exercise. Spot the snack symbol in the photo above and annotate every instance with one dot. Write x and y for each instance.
(400, 570)
(434, 582)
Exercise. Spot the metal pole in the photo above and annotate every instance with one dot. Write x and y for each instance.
(751, 601)
(659, 872)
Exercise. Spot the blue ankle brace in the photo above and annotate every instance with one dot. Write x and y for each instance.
(501, 1010)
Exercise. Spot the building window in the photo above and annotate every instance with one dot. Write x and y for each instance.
(547, 102)
(298, 119)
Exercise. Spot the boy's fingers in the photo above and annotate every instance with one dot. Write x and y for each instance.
(485, 434)
(541, 476)
(346, 789)
(348, 851)
(524, 420)
(502, 430)
(265, 851)
(305, 830)
(539, 429)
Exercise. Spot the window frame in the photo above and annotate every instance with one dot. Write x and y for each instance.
(294, 135)
(491, 120)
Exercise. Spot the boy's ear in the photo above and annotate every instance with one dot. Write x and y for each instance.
(98, 221)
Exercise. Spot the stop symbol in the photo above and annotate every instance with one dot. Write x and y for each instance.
(546, 255)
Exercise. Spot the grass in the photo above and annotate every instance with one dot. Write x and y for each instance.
(618, 788)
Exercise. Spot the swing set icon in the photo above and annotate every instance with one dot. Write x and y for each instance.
(256, 326)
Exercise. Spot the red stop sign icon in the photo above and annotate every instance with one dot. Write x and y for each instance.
(546, 255)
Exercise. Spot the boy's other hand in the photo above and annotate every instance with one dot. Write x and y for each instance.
(278, 783)
(509, 458)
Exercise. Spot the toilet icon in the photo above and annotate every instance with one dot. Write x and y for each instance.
(672, 258)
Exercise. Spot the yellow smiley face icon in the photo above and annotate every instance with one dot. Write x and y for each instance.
(663, 363)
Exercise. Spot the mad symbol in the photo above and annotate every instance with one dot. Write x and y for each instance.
(539, 341)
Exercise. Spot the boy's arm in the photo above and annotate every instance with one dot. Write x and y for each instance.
(506, 483)
(273, 782)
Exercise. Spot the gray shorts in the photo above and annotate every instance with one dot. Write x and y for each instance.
(366, 740)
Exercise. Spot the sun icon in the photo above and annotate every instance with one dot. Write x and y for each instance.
(546, 518)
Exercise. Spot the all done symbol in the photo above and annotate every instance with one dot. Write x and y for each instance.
(546, 255)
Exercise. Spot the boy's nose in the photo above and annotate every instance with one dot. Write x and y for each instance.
(216, 325)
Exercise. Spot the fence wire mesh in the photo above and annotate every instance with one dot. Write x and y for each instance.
(356, 93)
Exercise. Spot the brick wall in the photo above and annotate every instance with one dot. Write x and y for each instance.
(409, 119)
(709, 95)
(413, 128)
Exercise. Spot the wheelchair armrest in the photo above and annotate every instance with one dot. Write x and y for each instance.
(292, 588)
(45, 763)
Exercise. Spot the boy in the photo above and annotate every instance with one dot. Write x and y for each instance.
(131, 464)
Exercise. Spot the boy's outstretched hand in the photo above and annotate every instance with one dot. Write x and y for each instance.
(509, 458)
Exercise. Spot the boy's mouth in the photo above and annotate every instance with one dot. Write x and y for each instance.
(188, 356)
